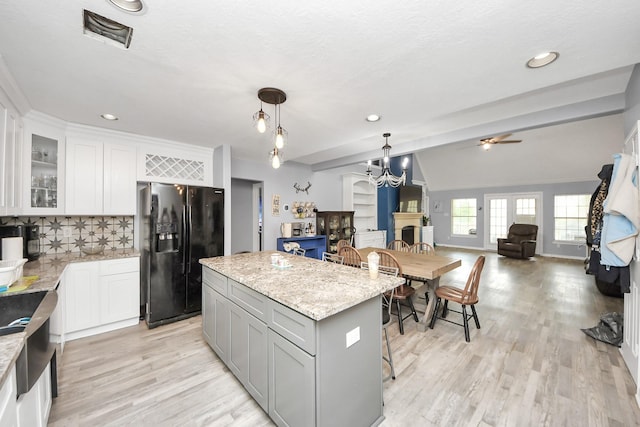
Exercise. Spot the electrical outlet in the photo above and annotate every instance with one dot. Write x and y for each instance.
(66, 231)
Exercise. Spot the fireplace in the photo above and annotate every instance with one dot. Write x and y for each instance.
(404, 219)
(408, 234)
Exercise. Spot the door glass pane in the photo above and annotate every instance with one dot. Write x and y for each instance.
(497, 220)
(525, 210)
(44, 172)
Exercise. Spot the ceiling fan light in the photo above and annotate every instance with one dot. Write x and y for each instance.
(486, 147)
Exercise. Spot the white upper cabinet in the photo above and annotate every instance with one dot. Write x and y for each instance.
(11, 134)
(43, 163)
(85, 174)
(101, 176)
(119, 179)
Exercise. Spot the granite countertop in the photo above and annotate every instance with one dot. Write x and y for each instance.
(49, 269)
(311, 287)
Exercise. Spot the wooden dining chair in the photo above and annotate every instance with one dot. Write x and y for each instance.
(398, 245)
(422, 248)
(402, 294)
(334, 258)
(351, 256)
(342, 243)
(465, 297)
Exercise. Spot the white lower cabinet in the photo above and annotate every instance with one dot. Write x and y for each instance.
(33, 407)
(97, 297)
(8, 406)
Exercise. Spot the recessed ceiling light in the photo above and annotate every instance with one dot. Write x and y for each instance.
(108, 116)
(128, 5)
(542, 59)
(373, 118)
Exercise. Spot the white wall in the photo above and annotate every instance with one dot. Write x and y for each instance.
(242, 220)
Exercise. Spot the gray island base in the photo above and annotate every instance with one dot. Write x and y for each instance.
(305, 341)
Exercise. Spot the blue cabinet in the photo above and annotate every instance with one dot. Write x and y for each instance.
(314, 246)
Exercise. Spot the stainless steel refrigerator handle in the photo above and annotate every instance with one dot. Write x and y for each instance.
(188, 247)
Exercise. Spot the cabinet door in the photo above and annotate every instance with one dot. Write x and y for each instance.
(291, 383)
(119, 297)
(220, 317)
(43, 167)
(8, 407)
(119, 180)
(12, 163)
(57, 323)
(248, 353)
(208, 307)
(82, 296)
(84, 174)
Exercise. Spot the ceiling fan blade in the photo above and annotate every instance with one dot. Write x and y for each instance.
(508, 141)
(501, 137)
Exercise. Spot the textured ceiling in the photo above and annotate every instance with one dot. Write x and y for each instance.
(437, 72)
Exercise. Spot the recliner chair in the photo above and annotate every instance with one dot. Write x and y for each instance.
(520, 241)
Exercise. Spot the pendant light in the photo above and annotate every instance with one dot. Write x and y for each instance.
(261, 120)
(387, 178)
(276, 97)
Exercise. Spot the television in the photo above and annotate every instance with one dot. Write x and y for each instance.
(410, 199)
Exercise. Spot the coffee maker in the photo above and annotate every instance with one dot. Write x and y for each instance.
(30, 234)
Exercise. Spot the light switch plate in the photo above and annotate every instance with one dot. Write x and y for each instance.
(353, 336)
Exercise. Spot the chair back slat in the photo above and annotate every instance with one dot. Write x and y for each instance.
(422, 248)
(341, 244)
(398, 245)
(470, 292)
(351, 256)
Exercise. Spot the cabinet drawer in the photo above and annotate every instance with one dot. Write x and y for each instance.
(295, 327)
(214, 280)
(118, 266)
(252, 301)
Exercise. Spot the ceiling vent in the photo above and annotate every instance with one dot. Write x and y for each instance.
(106, 29)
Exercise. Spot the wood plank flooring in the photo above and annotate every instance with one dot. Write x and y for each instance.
(529, 364)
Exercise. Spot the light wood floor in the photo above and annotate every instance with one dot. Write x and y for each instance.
(529, 365)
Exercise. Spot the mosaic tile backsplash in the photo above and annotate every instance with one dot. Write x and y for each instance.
(109, 232)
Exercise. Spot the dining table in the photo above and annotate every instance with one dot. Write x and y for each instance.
(423, 268)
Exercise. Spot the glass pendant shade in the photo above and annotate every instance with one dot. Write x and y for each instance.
(280, 137)
(276, 158)
(261, 121)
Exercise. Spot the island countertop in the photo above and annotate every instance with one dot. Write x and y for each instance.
(314, 288)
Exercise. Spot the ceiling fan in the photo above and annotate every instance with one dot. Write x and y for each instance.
(486, 143)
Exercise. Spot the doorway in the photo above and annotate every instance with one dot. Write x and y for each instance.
(247, 222)
(506, 209)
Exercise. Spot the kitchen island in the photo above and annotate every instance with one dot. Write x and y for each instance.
(305, 340)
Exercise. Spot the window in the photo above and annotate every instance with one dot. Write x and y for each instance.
(463, 216)
(570, 217)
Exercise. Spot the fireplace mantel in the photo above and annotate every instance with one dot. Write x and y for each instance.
(403, 219)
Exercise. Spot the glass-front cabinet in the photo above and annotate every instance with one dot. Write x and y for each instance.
(44, 170)
(336, 225)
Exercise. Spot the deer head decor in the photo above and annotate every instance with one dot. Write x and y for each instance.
(299, 189)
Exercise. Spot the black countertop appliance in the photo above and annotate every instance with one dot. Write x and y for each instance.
(30, 234)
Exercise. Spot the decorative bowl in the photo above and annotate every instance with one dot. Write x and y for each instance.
(92, 250)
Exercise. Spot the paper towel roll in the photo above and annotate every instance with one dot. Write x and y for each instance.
(12, 248)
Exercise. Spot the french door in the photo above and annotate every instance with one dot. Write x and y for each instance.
(502, 210)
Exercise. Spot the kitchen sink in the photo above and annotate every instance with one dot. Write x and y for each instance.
(32, 311)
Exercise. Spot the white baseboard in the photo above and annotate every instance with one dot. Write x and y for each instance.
(492, 250)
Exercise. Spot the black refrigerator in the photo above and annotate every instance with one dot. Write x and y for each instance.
(180, 224)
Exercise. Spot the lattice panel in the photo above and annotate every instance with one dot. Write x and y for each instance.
(172, 167)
